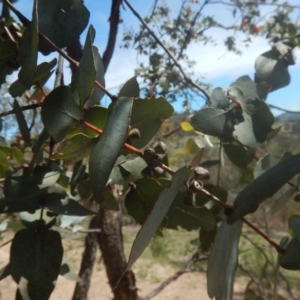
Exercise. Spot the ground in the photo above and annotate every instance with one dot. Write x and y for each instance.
(153, 268)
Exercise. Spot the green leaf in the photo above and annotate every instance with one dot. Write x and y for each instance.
(130, 88)
(74, 149)
(149, 111)
(34, 221)
(23, 127)
(272, 69)
(8, 51)
(247, 86)
(218, 99)
(97, 116)
(13, 206)
(67, 270)
(264, 187)
(61, 21)
(85, 75)
(60, 113)
(127, 169)
(4, 165)
(290, 260)
(238, 155)
(106, 151)
(223, 261)
(28, 51)
(36, 257)
(42, 74)
(215, 122)
(258, 119)
(140, 199)
(157, 214)
(22, 185)
(13, 152)
(189, 217)
(43, 136)
(62, 205)
(97, 94)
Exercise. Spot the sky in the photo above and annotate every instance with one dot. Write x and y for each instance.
(218, 66)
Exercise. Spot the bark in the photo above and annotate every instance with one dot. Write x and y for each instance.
(87, 263)
(111, 246)
(113, 31)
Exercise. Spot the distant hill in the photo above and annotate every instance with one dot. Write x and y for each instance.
(288, 117)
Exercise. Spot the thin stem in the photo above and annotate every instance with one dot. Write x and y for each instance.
(268, 239)
(283, 109)
(220, 164)
(13, 111)
(186, 77)
(200, 190)
(10, 36)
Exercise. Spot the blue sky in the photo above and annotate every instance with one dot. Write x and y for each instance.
(219, 67)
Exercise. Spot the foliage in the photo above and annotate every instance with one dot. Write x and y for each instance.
(84, 149)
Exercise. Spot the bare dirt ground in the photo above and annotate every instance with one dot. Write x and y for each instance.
(149, 275)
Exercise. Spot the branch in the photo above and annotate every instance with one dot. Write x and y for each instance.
(189, 267)
(199, 189)
(113, 31)
(186, 77)
(283, 109)
(13, 111)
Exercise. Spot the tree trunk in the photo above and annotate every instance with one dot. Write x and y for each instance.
(87, 263)
(110, 241)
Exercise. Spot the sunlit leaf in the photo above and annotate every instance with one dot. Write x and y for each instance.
(186, 126)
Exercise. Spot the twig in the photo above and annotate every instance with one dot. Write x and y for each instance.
(189, 267)
(186, 77)
(13, 111)
(6, 243)
(172, 132)
(220, 164)
(59, 72)
(283, 109)
(10, 36)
